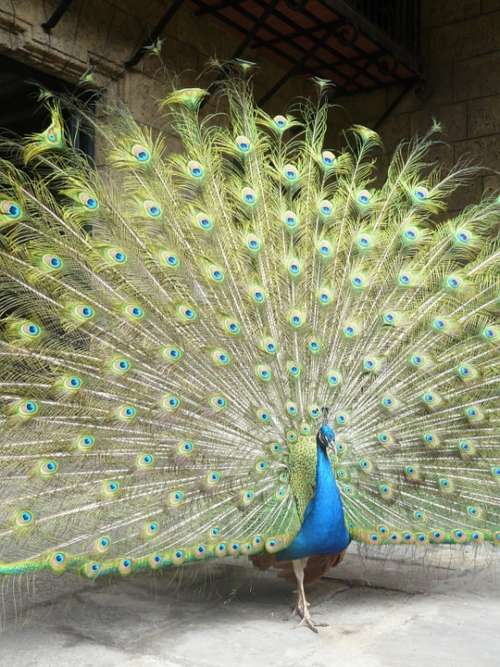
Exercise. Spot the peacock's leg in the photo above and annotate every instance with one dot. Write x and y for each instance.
(302, 606)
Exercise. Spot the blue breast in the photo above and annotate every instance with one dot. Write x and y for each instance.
(323, 530)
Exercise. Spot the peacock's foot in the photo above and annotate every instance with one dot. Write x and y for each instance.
(302, 605)
(305, 617)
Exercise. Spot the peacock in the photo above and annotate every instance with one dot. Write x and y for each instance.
(251, 346)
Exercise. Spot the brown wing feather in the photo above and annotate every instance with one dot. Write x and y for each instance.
(314, 570)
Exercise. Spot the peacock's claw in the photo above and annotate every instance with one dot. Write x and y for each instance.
(308, 622)
(305, 618)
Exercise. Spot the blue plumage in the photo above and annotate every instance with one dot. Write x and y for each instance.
(323, 530)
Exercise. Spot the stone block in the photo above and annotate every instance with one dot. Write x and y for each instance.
(465, 195)
(453, 118)
(491, 183)
(490, 6)
(448, 11)
(484, 116)
(477, 77)
(394, 130)
(203, 33)
(441, 154)
(464, 39)
(483, 151)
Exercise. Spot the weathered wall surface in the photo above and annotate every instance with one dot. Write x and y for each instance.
(461, 54)
(460, 44)
(103, 34)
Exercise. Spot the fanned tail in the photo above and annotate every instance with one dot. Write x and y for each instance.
(173, 325)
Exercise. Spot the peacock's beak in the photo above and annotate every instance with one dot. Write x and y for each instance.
(333, 446)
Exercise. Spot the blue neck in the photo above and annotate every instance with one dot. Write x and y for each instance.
(323, 530)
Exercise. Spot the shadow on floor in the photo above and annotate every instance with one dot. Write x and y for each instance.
(381, 611)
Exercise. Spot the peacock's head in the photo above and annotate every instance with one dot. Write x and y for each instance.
(326, 437)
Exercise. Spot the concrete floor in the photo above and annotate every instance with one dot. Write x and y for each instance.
(441, 609)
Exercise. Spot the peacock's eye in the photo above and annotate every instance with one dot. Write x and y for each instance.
(195, 169)
(364, 197)
(243, 144)
(140, 152)
(280, 121)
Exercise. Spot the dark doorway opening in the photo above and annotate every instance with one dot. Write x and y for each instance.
(21, 113)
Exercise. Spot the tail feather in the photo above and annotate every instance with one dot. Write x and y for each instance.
(173, 324)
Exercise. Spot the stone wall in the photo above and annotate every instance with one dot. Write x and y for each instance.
(460, 45)
(103, 34)
(461, 55)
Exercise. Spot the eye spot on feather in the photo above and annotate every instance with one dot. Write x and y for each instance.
(216, 274)
(350, 330)
(324, 249)
(290, 221)
(491, 333)
(178, 556)
(280, 122)
(290, 173)
(269, 345)
(110, 488)
(152, 208)
(204, 222)
(172, 353)
(27, 408)
(328, 158)
(325, 296)
(53, 262)
(325, 208)
(294, 267)
(82, 312)
(47, 468)
(334, 378)
(359, 281)
(58, 561)
(220, 357)
(296, 319)
(257, 294)
(253, 243)
(411, 235)
(31, 330)
(314, 346)
(195, 169)
(24, 518)
(141, 153)
(125, 566)
(186, 313)
(263, 416)
(119, 256)
(249, 196)
(404, 279)
(89, 201)
(421, 193)
(11, 209)
(314, 411)
(243, 144)
(364, 197)
(231, 326)
(474, 414)
(342, 419)
(263, 372)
